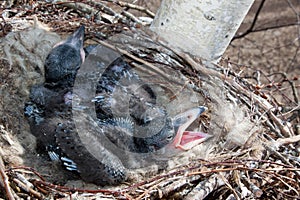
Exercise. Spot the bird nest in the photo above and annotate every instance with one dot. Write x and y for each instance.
(253, 153)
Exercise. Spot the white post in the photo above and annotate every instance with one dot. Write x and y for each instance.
(203, 28)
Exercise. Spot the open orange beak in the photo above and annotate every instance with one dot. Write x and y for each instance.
(184, 139)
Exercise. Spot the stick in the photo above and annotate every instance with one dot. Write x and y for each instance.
(4, 181)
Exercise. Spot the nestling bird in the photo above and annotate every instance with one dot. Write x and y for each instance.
(144, 128)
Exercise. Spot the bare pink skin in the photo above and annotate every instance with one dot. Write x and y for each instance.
(185, 140)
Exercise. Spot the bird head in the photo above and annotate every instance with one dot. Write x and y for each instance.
(185, 139)
(174, 133)
(159, 132)
(64, 60)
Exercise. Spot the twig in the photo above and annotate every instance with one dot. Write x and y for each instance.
(285, 130)
(296, 12)
(205, 187)
(285, 141)
(108, 14)
(28, 189)
(254, 189)
(250, 29)
(227, 183)
(28, 169)
(132, 17)
(4, 180)
(175, 186)
(133, 6)
(105, 8)
(291, 83)
(68, 189)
